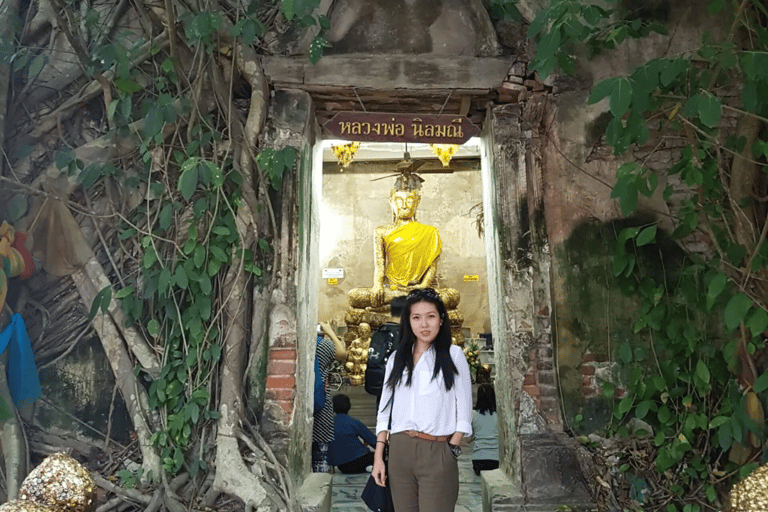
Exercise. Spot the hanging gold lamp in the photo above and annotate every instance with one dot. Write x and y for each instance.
(444, 152)
(345, 153)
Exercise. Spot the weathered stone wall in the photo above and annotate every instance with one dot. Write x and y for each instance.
(591, 317)
(286, 421)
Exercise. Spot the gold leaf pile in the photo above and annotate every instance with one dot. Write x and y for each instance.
(751, 494)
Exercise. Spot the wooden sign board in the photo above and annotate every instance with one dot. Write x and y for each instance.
(380, 127)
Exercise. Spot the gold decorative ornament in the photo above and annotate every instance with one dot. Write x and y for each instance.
(345, 153)
(444, 152)
(357, 355)
(61, 484)
(751, 494)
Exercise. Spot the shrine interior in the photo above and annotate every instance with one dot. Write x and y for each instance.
(355, 200)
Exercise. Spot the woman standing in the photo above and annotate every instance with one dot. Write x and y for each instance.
(485, 452)
(428, 391)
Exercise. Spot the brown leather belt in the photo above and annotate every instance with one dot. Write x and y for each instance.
(428, 437)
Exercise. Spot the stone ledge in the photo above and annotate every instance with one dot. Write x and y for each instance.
(315, 493)
(499, 493)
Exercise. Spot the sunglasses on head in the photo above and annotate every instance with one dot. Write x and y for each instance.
(419, 293)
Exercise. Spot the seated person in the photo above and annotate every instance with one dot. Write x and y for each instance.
(485, 452)
(348, 453)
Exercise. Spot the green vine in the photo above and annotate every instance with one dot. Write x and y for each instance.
(692, 373)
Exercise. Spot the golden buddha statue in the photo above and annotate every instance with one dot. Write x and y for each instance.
(406, 254)
(357, 355)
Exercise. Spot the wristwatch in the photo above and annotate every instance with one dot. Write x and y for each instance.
(455, 449)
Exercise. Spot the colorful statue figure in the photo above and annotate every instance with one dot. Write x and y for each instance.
(357, 355)
(15, 259)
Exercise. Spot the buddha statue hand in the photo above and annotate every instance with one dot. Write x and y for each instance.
(377, 295)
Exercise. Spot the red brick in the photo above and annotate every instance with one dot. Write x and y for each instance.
(534, 391)
(587, 369)
(588, 391)
(280, 394)
(588, 357)
(619, 393)
(287, 405)
(281, 367)
(281, 382)
(530, 379)
(588, 380)
(286, 354)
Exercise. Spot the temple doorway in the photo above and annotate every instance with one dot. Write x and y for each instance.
(355, 200)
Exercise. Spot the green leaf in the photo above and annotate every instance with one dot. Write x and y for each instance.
(716, 287)
(761, 383)
(717, 421)
(625, 405)
(758, 322)
(100, 302)
(180, 277)
(672, 70)
(164, 281)
(702, 372)
(710, 110)
(153, 328)
(621, 97)
(646, 236)
(664, 414)
(316, 47)
(288, 10)
(217, 178)
(16, 207)
(127, 86)
(187, 183)
(549, 44)
(602, 90)
(715, 7)
(625, 352)
(642, 409)
(37, 65)
(125, 292)
(725, 435)
(736, 310)
(166, 216)
(199, 256)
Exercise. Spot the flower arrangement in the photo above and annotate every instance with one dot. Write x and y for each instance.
(472, 353)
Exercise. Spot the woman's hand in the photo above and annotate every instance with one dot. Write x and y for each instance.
(379, 470)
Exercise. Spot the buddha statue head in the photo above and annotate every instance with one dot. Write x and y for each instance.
(404, 204)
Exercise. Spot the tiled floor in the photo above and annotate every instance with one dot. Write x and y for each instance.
(347, 488)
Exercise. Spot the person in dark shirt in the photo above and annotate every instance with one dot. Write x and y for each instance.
(383, 342)
(347, 452)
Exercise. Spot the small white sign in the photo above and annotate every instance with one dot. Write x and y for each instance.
(330, 273)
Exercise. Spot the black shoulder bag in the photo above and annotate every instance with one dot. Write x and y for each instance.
(376, 497)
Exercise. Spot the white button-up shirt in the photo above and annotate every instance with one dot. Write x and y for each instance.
(425, 405)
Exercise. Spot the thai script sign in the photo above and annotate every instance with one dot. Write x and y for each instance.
(379, 127)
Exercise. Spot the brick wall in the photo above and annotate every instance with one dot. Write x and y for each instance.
(540, 382)
(281, 380)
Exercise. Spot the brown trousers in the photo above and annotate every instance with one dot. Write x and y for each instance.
(424, 475)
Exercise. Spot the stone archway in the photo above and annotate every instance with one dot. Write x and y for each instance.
(494, 92)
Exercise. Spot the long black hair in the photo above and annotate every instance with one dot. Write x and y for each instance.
(486, 399)
(442, 343)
